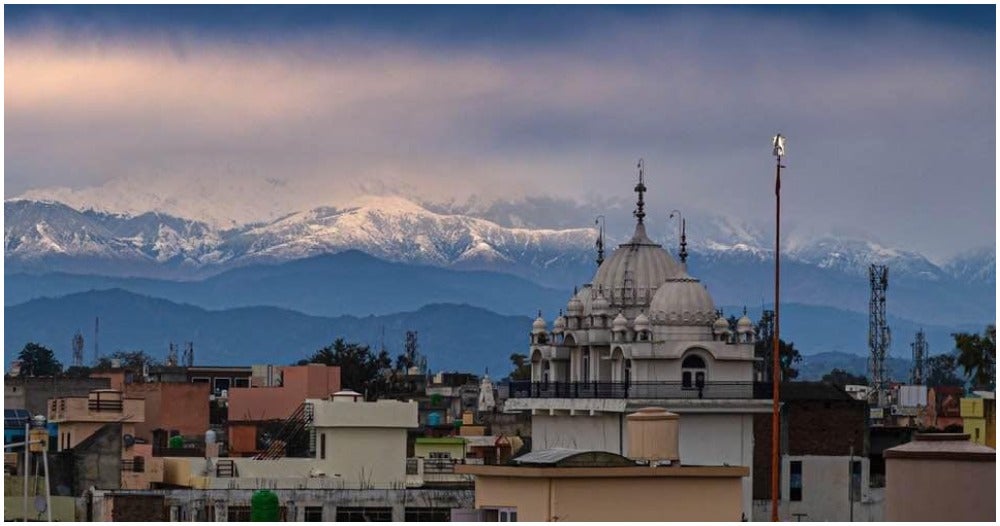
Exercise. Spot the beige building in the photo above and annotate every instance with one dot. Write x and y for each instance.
(79, 417)
(572, 485)
(940, 477)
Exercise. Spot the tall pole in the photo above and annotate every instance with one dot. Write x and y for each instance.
(27, 466)
(779, 146)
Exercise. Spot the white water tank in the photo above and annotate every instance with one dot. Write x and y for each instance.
(653, 435)
(210, 437)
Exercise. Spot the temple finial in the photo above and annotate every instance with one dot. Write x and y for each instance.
(600, 240)
(684, 251)
(640, 189)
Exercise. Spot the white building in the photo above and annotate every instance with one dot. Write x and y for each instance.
(643, 333)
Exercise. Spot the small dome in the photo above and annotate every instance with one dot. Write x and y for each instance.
(539, 325)
(575, 306)
(721, 325)
(683, 301)
(559, 325)
(642, 322)
(620, 323)
(601, 305)
(744, 325)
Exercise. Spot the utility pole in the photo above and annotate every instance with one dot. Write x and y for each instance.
(779, 151)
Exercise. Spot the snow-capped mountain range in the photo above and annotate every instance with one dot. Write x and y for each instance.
(47, 235)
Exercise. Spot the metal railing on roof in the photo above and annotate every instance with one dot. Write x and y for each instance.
(639, 390)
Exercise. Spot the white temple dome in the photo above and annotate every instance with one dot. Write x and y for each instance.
(721, 325)
(744, 325)
(683, 300)
(646, 264)
(620, 323)
(600, 305)
(641, 322)
(559, 325)
(539, 325)
(575, 306)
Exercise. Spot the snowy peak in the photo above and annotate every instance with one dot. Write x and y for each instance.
(975, 265)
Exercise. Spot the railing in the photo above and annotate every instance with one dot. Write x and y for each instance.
(652, 390)
(225, 468)
(105, 405)
(439, 465)
(134, 465)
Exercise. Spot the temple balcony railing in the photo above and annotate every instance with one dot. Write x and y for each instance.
(640, 390)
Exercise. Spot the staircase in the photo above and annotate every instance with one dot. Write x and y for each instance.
(298, 422)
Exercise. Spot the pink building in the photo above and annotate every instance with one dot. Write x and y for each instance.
(250, 405)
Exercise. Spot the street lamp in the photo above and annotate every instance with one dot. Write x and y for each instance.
(778, 145)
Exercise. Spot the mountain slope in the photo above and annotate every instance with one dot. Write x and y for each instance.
(452, 336)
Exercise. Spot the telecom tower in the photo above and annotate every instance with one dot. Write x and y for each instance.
(188, 357)
(765, 335)
(172, 355)
(919, 347)
(97, 330)
(77, 349)
(879, 337)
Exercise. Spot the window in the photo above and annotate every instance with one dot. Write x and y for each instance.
(586, 366)
(348, 514)
(440, 454)
(693, 372)
(322, 446)
(313, 514)
(856, 481)
(507, 515)
(795, 481)
(238, 514)
(628, 371)
(241, 382)
(221, 384)
(428, 515)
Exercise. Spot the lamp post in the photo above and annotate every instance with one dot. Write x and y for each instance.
(778, 143)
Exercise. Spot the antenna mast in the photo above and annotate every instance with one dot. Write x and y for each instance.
(188, 357)
(919, 347)
(97, 349)
(879, 337)
(77, 349)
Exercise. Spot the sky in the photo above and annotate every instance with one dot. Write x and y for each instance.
(257, 111)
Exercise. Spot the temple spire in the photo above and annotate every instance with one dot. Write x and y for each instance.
(684, 252)
(640, 189)
(600, 240)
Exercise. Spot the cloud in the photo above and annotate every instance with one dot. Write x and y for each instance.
(890, 122)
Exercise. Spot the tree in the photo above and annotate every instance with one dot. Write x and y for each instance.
(38, 360)
(130, 360)
(360, 369)
(522, 369)
(788, 358)
(840, 378)
(977, 356)
(941, 370)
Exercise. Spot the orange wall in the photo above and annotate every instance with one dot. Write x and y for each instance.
(242, 439)
(298, 383)
(172, 405)
(621, 499)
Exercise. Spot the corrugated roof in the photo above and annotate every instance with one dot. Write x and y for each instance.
(561, 457)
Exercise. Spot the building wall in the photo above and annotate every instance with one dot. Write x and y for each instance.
(63, 509)
(634, 498)
(919, 490)
(33, 394)
(825, 488)
(423, 449)
(705, 439)
(365, 457)
(242, 438)
(979, 420)
(298, 383)
(172, 406)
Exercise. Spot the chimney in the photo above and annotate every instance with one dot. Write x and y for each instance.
(652, 435)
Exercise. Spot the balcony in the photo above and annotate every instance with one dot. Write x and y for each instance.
(639, 390)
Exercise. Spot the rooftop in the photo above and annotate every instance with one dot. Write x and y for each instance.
(943, 446)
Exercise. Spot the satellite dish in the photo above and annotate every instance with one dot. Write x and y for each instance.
(129, 440)
(40, 504)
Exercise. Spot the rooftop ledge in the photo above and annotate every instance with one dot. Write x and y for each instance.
(602, 472)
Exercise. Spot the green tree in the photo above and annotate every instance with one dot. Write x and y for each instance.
(941, 370)
(840, 378)
(977, 356)
(38, 360)
(789, 357)
(522, 369)
(360, 368)
(130, 360)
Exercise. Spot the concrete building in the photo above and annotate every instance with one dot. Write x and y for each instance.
(979, 418)
(573, 485)
(644, 332)
(34, 393)
(940, 477)
(78, 417)
(277, 393)
(171, 406)
(824, 457)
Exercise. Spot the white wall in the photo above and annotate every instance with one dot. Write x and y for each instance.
(825, 491)
(707, 439)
